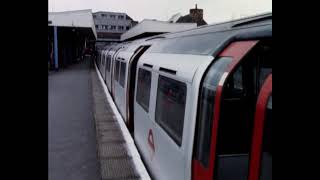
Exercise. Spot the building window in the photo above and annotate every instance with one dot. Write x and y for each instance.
(170, 107)
(120, 28)
(128, 27)
(113, 28)
(97, 27)
(112, 16)
(102, 15)
(143, 89)
(121, 17)
(104, 27)
(94, 16)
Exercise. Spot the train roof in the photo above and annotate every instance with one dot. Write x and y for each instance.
(228, 25)
(187, 51)
(208, 40)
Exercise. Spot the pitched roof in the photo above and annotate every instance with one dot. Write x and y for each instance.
(155, 27)
(188, 18)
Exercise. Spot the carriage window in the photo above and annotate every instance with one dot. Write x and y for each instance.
(266, 161)
(265, 63)
(117, 70)
(170, 108)
(234, 88)
(238, 79)
(122, 73)
(205, 109)
(108, 63)
(143, 89)
(263, 54)
(103, 60)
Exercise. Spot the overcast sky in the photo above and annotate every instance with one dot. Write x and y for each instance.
(214, 10)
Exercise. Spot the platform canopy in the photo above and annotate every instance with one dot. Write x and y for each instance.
(78, 19)
(153, 27)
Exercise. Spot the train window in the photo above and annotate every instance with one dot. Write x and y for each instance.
(266, 161)
(205, 109)
(170, 107)
(238, 80)
(234, 88)
(122, 73)
(108, 63)
(265, 63)
(117, 70)
(143, 89)
(102, 60)
(262, 53)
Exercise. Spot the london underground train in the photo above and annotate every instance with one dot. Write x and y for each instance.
(199, 102)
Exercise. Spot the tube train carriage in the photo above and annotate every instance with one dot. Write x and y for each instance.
(198, 102)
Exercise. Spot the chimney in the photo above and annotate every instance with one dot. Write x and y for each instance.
(196, 14)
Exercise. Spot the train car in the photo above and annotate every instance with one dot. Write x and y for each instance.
(101, 57)
(109, 66)
(121, 60)
(200, 101)
(123, 80)
(101, 63)
(98, 59)
(203, 102)
(104, 61)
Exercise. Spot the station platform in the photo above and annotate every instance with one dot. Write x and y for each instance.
(87, 139)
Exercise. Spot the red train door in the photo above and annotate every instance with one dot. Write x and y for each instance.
(204, 167)
(226, 107)
(261, 154)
